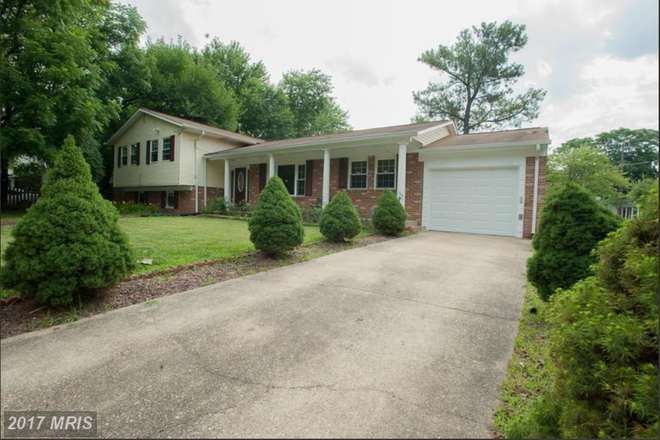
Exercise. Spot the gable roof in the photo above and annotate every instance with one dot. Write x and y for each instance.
(534, 135)
(412, 129)
(186, 124)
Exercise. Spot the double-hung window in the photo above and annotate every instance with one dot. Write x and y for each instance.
(167, 148)
(301, 178)
(170, 200)
(124, 155)
(134, 154)
(154, 150)
(358, 175)
(385, 174)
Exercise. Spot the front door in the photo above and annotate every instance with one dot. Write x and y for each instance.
(240, 184)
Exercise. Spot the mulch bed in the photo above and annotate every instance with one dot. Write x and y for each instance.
(20, 316)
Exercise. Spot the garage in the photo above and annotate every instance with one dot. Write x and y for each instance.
(473, 200)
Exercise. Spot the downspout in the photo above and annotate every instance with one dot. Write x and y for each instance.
(197, 175)
(536, 187)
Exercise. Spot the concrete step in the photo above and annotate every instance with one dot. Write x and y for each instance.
(416, 229)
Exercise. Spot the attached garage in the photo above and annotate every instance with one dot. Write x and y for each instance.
(477, 200)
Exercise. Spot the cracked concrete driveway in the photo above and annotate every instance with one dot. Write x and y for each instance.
(406, 338)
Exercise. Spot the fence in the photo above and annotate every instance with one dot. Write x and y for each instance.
(627, 211)
(22, 196)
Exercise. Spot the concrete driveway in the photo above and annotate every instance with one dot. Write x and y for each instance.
(406, 338)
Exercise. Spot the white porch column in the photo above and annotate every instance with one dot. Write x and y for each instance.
(206, 181)
(271, 166)
(401, 174)
(326, 177)
(227, 180)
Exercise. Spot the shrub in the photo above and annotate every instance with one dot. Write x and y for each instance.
(69, 240)
(389, 216)
(216, 206)
(132, 208)
(604, 342)
(312, 214)
(571, 225)
(276, 222)
(340, 220)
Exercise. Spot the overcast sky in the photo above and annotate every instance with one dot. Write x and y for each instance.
(598, 59)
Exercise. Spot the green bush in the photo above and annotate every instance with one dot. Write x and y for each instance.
(571, 225)
(216, 206)
(389, 216)
(604, 342)
(340, 220)
(69, 240)
(132, 208)
(312, 214)
(276, 222)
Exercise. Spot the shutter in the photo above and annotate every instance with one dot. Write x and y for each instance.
(119, 157)
(137, 159)
(263, 174)
(163, 199)
(148, 151)
(136, 197)
(172, 153)
(176, 199)
(309, 177)
(343, 173)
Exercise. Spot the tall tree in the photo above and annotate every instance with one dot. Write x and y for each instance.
(56, 58)
(315, 110)
(263, 109)
(634, 152)
(478, 93)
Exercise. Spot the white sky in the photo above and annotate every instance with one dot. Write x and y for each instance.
(598, 59)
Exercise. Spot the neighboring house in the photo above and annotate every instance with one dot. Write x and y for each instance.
(486, 183)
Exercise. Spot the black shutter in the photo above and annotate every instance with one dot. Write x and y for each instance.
(309, 177)
(163, 199)
(148, 151)
(343, 173)
(119, 157)
(172, 153)
(263, 175)
(137, 161)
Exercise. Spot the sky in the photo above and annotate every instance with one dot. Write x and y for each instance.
(597, 59)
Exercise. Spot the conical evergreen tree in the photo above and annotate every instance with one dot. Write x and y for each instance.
(276, 223)
(70, 240)
(389, 215)
(339, 219)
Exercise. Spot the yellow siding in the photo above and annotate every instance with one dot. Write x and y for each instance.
(155, 174)
(205, 144)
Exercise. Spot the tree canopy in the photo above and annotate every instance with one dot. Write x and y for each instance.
(478, 91)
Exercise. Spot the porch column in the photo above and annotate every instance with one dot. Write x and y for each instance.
(227, 180)
(401, 174)
(326, 177)
(206, 181)
(271, 166)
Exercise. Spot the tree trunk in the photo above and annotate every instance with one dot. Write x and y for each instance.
(5, 184)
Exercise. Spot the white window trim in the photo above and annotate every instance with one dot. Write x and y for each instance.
(350, 169)
(151, 147)
(295, 176)
(162, 149)
(124, 154)
(167, 199)
(376, 172)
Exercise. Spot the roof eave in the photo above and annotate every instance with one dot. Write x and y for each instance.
(516, 144)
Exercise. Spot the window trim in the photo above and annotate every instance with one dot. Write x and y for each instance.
(298, 179)
(162, 150)
(350, 174)
(151, 148)
(167, 199)
(376, 173)
(124, 155)
(130, 153)
(295, 176)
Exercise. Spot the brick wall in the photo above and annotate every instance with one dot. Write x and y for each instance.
(364, 200)
(186, 203)
(529, 193)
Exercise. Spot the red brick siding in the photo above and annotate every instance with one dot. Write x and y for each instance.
(529, 193)
(364, 200)
(186, 204)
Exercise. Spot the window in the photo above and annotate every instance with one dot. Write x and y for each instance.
(358, 176)
(154, 150)
(167, 148)
(142, 198)
(385, 174)
(170, 200)
(301, 180)
(124, 155)
(134, 154)
(288, 175)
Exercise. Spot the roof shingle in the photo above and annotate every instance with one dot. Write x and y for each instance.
(532, 135)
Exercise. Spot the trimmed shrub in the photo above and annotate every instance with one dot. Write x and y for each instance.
(389, 216)
(132, 208)
(340, 219)
(571, 224)
(216, 206)
(604, 342)
(312, 214)
(69, 241)
(276, 222)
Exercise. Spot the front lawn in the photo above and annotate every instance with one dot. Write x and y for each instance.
(175, 241)
(11, 214)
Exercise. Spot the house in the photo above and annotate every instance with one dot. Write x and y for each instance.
(486, 183)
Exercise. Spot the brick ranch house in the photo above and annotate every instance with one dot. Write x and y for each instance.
(486, 183)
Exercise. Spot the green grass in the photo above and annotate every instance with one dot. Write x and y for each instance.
(530, 371)
(175, 241)
(11, 214)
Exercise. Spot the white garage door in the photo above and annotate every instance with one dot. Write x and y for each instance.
(479, 201)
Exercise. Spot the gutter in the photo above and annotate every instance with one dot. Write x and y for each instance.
(454, 148)
(536, 188)
(197, 174)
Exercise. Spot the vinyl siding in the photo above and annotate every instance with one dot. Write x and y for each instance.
(207, 144)
(432, 135)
